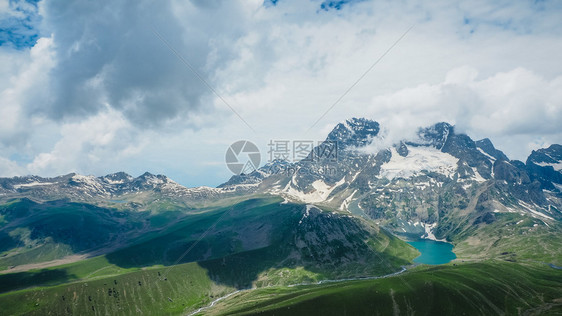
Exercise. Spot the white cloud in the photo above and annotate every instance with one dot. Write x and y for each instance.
(26, 81)
(8, 10)
(518, 104)
(4, 6)
(9, 168)
(90, 145)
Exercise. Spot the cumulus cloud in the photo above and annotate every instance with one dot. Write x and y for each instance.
(90, 145)
(107, 52)
(509, 104)
(26, 83)
(9, 168)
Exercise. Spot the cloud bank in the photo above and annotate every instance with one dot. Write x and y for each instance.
(89, 87)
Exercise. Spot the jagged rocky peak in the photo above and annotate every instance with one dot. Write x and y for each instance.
(435, 135)
(545, 165)
(402, 149)
(78, 180)
(551, 156)
(148, 180)
(488, 148)
(147, 176)
(511, 171)
(354, 132)
(118, 177)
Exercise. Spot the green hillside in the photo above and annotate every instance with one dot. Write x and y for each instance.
(487, 288)
(196, 256)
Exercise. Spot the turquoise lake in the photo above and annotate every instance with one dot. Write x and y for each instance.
(433, 252)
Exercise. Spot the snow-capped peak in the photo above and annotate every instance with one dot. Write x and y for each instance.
(354, 132)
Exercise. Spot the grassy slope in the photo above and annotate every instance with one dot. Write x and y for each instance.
(148, 250)
(186, 287)
(189, 286)
(38, 232)
(94, 268)
(514, 237)
(488, 288)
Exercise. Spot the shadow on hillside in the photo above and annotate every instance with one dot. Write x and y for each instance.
(80, 226)
(7, 242)
(242, 270)
(221, 254)
(45, 277)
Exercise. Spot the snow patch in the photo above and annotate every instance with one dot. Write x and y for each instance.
(345, 203)
(419, 159)
(202, 189)
(320, 191)
(530, 209)
(422, 185)
(32, 184)
(307, 212)
(557, 166)
(429, 232)
(477, 177)
(90, 182)
(492, 158)
(152, 180)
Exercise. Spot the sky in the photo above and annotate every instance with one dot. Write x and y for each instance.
(96, 87)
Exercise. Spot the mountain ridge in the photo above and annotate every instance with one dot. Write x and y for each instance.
(411, 187)
(351, 134)
(454, 157)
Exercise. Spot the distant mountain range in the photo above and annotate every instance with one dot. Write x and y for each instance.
(113, 186)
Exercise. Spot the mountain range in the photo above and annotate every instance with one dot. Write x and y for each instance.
(326, 217)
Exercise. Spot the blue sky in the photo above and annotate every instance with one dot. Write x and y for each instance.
(20, 29)
(96, 87)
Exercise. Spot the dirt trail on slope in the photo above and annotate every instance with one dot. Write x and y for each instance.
(46, 264)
